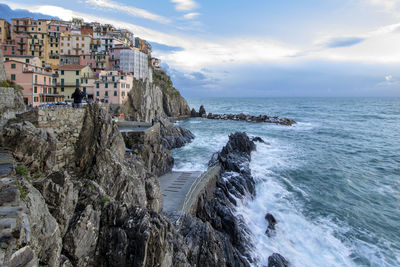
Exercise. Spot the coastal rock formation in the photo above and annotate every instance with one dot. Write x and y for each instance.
(173, 136)
(102, 206)
(149, 101)
(276, 260)
(242, 117)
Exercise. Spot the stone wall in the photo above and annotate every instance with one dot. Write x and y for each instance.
(65, 124)
(2, 71)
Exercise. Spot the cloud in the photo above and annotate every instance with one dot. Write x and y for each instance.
(336, 42)
(133, 11)
(389, 78)
(389, 6)
(184, 5)
(191, 15)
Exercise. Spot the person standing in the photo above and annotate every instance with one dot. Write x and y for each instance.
(78, 95)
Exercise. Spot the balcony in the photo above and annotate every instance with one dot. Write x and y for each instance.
(66, 84)
(54, 56)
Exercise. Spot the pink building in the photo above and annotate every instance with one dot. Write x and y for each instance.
(88, 60)
(38, 85)
(112, 87)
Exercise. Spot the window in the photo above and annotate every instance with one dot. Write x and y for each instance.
(62, 73)
(58, 29)
(115, 85)
(27, 60)
(106, 93)
(36, 99)
(77, 81)
(84, 57)
(113, 78)
(62, 89)
(39, 29)
(35, 90)
(77, 38)
(62, 81)
(97, 85)
(35, 78)
(127, 85)
(84, 89)
(13, 66)
(123, 93)
(115, 93)
(12, 77)
(77, 72)
(106, 85)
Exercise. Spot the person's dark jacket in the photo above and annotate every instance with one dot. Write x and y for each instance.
(78, 95)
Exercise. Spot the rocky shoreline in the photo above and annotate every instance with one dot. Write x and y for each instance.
(241, 117)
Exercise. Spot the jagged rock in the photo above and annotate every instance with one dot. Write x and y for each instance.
(173, 136)
(31, 146)
(194, 113)
(132, 236)
(277, 260)
(202, 111)
(258, 139)
(81, 239)
(45, 234)
(149, 101)
(271, 223)
(23, 257)
(61, 197)
(235, 180)
(102, 159)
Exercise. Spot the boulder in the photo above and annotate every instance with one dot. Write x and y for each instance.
(173, 136)
(202, 111)
(277, 260)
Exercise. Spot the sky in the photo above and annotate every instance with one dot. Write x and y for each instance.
(255, 48)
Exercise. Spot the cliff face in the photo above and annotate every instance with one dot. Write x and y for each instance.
(84, 201)
(148, 101)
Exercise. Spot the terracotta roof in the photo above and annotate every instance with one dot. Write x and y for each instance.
(72, 67)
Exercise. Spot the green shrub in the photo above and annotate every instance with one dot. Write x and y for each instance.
(22, 191)
(21, 170)
(105, 200)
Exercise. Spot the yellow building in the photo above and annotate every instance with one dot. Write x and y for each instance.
(4, 31)
(74, 76)
(38, 41)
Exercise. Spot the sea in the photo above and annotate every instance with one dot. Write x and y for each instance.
(332, 181)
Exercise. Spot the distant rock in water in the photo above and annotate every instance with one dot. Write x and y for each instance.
(242, 117)
(271, 223)
(173, 136)
(277, 260)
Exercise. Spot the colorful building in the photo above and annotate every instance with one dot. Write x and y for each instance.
(72, 77)
(39, 86)
(113, 87)
(75, 44)
(5, 29)
(8, 47)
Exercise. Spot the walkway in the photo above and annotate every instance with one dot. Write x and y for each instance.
(181, 190)
(174, 187)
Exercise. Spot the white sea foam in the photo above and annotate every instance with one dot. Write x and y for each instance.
(301, 241)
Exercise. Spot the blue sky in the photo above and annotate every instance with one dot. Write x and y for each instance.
(259, 48)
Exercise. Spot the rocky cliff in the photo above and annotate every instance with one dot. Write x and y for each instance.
(149, 101)
(102, 206)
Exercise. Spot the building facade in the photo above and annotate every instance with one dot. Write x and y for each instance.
(72, 77)
(39, 86)
(112, 87)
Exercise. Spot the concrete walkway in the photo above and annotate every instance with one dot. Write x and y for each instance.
(174, 187)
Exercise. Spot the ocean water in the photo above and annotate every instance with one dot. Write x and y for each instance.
(332, 181)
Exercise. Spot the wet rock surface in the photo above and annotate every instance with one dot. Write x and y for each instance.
(103, 207)
(277, 260)
(173, 136)
(242, 117)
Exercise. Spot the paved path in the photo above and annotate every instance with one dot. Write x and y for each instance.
(174, 187)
